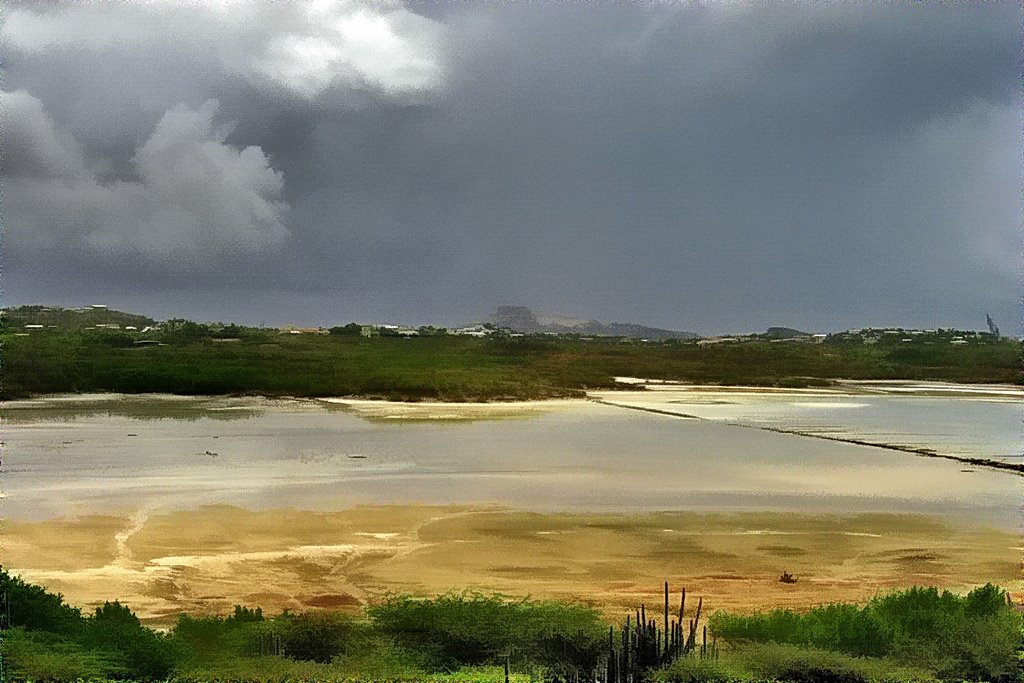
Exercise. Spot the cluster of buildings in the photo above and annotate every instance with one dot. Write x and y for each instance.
(867, 336)
(389, 330)
(738, 339)
(404, 331)
(873, 335)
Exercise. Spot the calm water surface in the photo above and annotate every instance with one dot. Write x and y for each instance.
(978, 421)
(152, 453)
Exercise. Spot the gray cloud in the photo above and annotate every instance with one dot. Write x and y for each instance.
(195, 197)
(707, 167)
(32, 146)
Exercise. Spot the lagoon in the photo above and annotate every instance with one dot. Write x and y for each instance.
(121, 454)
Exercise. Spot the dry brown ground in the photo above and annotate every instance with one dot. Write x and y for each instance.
(208, 559)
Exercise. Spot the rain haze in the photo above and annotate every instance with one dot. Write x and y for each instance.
(699, 167)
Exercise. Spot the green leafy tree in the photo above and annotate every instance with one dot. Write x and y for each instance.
(36, 609)
(138, 652)
(316, 636)
(349, 330)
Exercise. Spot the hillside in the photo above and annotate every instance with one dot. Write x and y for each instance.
(15, 319)
(784, 333)
(522, 319)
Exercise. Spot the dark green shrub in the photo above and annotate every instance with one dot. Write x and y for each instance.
(349, 330)
(180, 331)
(840, 627)
(794, 664)
(135, 651)
(461, 629)
(450, 630)
(973, 637)
(197, 631)
(315, 636)
(36, 609)
(244, 615)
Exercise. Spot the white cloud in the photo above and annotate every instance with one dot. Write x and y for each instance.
(393, 50)
(196, 197)
(306, 49)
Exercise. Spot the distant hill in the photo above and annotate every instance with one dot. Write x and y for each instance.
(522, 319)
(784, 333)
(70, 318)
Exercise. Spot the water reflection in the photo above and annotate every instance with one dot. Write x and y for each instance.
(161, 407)
(116, 453)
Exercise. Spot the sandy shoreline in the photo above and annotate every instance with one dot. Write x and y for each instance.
(630, 388)
(654, 389)
(840, 387)
(208, 559)
(440, 410)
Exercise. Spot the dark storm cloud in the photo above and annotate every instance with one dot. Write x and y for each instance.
(695, 166)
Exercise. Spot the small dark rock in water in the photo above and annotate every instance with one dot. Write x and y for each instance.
(787, 578)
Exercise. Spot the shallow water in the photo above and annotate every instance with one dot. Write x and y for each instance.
(150, 454)
(975, 421)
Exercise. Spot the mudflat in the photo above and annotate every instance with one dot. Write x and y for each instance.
(205, 560)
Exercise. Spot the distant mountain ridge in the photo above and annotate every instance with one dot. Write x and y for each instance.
(522, 319)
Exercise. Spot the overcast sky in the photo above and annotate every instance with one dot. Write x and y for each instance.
(695, 166)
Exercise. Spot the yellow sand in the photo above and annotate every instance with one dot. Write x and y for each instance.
(208, 559)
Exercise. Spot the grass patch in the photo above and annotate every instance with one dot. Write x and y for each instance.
(754, 663)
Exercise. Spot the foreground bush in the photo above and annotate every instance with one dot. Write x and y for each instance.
(455, 630)
(44, 656)
(36, 609)
(48, 640)
(315, 637)
(403, 638)
(274, 670)
(790, 664)
(130, 649)
(971, 637)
